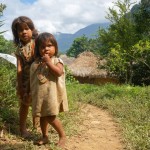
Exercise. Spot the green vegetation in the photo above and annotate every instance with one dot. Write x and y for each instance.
(141, 14)
(8, 100)
(6, 46)
(121, 40)
(2, 8)
(129, 105)
(125, 44)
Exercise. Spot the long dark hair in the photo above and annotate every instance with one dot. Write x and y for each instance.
(41, 39)
(19, 21)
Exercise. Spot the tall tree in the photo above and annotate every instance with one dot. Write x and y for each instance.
(142, 18)
(127, 53)
(119, 39)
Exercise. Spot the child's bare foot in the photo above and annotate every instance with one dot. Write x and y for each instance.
(25, 134)
(42, 141)
(61, 143)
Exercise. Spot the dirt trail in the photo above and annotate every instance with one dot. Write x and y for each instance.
(98, 131)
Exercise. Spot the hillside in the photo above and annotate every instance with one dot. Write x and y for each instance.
(65, 40)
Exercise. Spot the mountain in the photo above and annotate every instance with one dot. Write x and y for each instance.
(65, 40)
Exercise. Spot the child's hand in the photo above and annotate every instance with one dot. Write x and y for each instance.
(46, 58)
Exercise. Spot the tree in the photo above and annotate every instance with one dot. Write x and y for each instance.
(2, 7)
(79, 45)
(141, 58)
(141, 14)
(119, 39)
(6, 46)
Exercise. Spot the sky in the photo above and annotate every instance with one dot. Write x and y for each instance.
(54, 16)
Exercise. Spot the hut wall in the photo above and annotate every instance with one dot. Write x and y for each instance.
(97, 81)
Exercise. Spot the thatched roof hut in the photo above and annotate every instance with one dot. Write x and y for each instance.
(86, 65)
(67, 60)
(85, 69)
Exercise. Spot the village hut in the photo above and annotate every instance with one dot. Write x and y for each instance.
(67, 60)
(85, 69)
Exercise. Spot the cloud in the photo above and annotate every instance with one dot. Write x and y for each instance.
(66, 16)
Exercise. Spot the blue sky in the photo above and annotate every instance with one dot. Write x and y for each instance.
(65, 16)
(28, 1)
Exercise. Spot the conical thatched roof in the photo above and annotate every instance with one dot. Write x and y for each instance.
(86, 65)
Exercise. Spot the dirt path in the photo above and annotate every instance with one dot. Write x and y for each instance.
(98, 131)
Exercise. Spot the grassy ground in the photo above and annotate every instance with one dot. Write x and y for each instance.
(9, 121)
(130, 105)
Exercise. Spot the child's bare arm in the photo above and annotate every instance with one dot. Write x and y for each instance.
(19, 77)
(55, 69)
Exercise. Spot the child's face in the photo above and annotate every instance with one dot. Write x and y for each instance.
(24, 33)
(47, 48)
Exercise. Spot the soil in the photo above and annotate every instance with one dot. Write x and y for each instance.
(97, 131)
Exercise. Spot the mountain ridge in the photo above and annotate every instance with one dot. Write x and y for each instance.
(65, 40)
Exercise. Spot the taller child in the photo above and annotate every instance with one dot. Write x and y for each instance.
(24, 34)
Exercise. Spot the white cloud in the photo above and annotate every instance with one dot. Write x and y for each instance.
(66, 16)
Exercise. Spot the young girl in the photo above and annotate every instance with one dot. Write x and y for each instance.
(48, 89)
(24, 34)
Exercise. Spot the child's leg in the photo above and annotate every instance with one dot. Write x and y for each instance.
(44, 129)
(44, 126)
(36, 122)
(56, 124)
(23, 112)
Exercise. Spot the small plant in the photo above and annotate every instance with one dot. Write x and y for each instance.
(69, 76)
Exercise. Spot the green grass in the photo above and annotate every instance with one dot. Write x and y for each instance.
(129, 105)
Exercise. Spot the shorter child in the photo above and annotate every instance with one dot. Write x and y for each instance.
(48, 90)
